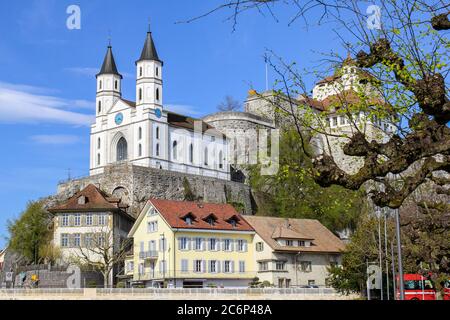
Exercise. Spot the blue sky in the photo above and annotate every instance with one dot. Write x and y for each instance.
(47, 83)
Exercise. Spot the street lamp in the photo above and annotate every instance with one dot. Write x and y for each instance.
(399, 253)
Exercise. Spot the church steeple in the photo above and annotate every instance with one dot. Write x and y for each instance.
(108, 84)
(109, 65)
(149, 52)
(149, 76)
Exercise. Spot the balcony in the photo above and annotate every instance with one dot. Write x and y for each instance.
(148, 255)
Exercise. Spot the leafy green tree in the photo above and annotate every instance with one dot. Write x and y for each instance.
(425, 246)
(30, 234)
(292, 191)
(362, 248)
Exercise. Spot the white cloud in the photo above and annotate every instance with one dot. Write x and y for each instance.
(183, 109)
(84, 104)
(28, 104)
(55, 139)
(83, 71)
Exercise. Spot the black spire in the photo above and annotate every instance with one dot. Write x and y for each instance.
(109, 65)
(149, 50)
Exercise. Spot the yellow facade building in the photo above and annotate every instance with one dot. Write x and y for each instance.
(191, 244)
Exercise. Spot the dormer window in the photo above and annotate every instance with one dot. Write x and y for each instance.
(189, 219)
(233, 221)
(82, 200)
(211, 219)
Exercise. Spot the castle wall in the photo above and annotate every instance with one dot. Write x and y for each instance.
(135, 185)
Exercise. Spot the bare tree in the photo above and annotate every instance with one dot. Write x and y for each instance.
(102, 252)
(229, 104)
(407, 58)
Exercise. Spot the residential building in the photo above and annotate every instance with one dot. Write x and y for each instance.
(191, 244)
(88, 222)
(293, 252)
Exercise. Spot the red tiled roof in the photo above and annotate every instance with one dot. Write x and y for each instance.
(174, 212)
(348, 97)
(95, 200)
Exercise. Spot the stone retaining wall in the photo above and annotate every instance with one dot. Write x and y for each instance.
(136, 184)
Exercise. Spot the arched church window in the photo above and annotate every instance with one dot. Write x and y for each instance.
(140, 150)
(100, 84)
(157, 132)
(140, 71)
(140, 94)
(191, 153)
(157, 94)
(115, 84)
(157, 149)
(157, 71)
(98, 143)
(206, 156)
(174, 150)
(140, 133)
(99, 106)
(98, 159)
(220, 159)
(122, 152)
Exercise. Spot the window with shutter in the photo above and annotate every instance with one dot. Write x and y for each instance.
(184, 265)
(203, 266)
(241, 266)
(218, 266)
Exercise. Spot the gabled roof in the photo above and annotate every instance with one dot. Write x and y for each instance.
(149, 50)
(174, 213)
(94, 200)
(109, 65)
(269, 228)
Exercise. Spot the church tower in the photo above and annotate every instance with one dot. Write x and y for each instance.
(108, 84)
(149, 76)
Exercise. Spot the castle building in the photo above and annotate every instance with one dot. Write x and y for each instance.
(143, 132)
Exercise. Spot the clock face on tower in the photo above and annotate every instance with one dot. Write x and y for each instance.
(158, 113)
(119, 118)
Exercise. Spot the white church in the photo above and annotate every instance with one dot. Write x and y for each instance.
(143, 133)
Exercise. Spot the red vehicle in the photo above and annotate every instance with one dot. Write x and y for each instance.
(417, 287)
(447, 290)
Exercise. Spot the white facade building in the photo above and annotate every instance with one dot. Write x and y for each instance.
(143, 132)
